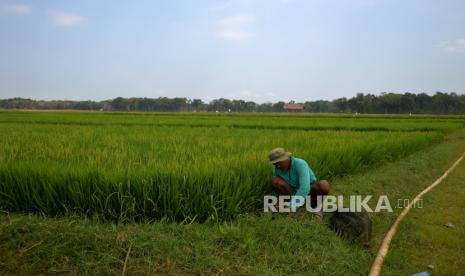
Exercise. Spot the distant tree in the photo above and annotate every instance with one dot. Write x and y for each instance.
(264, 107)
(407, 103)
(197, 105)
(278, 107)
(120, 104)
(392, 103)
(341, 105)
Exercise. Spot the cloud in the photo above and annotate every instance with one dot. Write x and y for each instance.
(270, 94)
(245, 94)
(15, 8)
(219, 7)
(285, 1)
(457, 46)
(235, 35)
(249, 95)
(236, 21)
(231, 4)
(235, 27)
(66, 19)
(226, 5)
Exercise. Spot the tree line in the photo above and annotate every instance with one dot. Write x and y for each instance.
(385, 103)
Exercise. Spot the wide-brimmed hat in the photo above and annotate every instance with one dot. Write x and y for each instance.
(278, 155)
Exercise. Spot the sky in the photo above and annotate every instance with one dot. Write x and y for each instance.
(259, 50)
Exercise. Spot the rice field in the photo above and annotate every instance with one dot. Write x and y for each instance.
(184, 167)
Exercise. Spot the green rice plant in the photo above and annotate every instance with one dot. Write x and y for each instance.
(253, 121)
(124, 168)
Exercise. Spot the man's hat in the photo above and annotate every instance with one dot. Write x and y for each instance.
(278, 155)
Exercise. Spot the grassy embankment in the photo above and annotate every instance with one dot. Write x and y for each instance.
(424, 239)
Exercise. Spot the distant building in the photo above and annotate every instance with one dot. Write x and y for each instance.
(292, 106)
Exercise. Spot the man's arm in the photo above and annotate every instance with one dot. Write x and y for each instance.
(305, 176)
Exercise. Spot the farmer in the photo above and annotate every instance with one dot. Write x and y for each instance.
(292, 176)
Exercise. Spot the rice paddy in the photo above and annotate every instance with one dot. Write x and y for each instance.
(184, 167)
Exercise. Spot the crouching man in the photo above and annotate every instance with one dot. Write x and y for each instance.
(292, 176)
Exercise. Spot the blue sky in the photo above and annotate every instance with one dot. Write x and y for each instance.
(260, 50)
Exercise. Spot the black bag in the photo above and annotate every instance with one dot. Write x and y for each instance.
(353, 226)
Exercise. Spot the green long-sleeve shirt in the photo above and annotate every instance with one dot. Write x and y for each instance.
(299, 177)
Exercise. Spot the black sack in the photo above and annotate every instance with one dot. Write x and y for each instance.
(353, 226)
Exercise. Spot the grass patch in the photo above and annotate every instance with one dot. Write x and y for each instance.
(423, 239)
